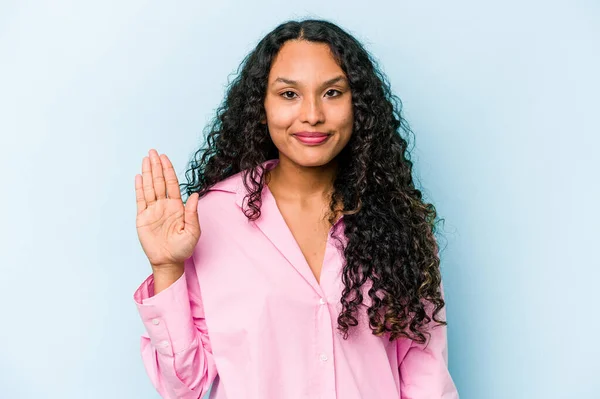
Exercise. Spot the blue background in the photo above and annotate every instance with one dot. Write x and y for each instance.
(502, 97)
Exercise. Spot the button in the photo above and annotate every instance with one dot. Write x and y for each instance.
(155, 322)
(323, 357)
(164, 344)
(322, 301)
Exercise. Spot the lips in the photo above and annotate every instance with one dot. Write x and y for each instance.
(311, 138)
(310, 134)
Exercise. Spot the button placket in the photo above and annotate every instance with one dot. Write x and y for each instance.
(324, 355)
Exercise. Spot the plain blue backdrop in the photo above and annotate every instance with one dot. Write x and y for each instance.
(503, 100)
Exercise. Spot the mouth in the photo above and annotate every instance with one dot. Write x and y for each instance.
(312, 138)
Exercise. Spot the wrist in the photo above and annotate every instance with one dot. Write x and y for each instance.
(167, 269)
(165, 276)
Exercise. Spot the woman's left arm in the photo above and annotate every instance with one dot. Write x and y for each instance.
(424, 367)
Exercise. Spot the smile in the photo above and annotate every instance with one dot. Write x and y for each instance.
(312, 138)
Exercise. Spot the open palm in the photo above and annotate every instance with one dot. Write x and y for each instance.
(167, 229)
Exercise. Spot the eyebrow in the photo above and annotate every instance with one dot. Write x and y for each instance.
(326, 83)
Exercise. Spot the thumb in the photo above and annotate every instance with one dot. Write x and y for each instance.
(190, 214)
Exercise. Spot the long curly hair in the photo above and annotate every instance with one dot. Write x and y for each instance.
(389, 229)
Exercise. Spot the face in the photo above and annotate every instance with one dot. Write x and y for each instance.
(308, 104)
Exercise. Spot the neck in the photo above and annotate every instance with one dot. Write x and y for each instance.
(292, 182)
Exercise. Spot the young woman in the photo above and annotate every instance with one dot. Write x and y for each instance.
(303, 263)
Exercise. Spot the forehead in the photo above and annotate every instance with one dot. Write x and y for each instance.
(301, 59)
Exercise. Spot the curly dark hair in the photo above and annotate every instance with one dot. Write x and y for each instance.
(388, 227)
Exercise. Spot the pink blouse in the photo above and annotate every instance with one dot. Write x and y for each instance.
(249, 317)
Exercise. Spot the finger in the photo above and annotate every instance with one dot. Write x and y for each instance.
(158, 178)
(170, 177)
(147, 182)
(139, 194)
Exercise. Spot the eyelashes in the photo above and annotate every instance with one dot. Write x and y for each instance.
(287, 97)
(284, 94)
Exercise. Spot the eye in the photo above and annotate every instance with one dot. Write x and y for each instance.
(335, 91)
(287, 92)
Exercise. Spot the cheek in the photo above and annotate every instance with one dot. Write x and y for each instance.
(345, 119)
(344, 112)
(279, 115)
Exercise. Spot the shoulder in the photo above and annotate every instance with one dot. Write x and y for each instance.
(230, 184)
(221, 197)
(229, 195)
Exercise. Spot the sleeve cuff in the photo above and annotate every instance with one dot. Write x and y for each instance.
(166, 315)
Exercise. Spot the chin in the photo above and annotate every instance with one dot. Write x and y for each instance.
(313, 160)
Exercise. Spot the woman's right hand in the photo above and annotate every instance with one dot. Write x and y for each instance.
(167, 229)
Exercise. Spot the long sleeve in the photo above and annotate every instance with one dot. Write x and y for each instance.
(424, 367)
(176, 350)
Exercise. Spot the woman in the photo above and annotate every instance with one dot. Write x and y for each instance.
(315, 273)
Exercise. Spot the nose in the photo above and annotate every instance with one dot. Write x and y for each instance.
(312, 110)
